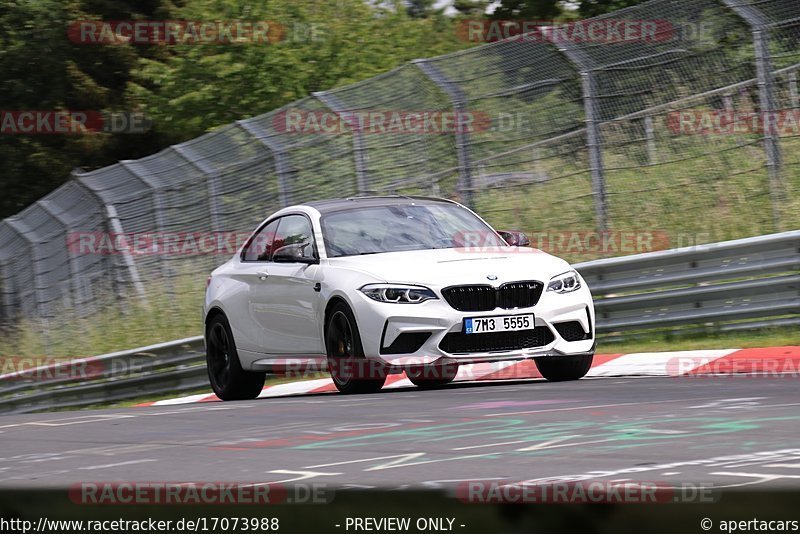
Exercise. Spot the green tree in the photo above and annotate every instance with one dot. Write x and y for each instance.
(194, 89)
(527, 10)
(41, 69)
(420, 9)
(471, 8)
(187, 89)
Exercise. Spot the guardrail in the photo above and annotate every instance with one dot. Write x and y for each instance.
(164, 368)
(746, 283)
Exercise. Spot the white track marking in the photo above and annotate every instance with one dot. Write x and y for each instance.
(301, 475)
(118, 464)
(397, 459)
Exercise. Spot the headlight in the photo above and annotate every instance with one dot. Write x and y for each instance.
(399, 293)
(564, 282)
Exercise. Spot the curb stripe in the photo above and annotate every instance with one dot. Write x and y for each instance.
(689, 362)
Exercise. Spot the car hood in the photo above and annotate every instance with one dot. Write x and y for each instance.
(444, 267)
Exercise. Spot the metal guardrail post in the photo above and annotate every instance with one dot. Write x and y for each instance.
(359, 149)
(459, 102)
(278, 154)
(113, 225)
(765, 74)
(594, 138)
(211, 181)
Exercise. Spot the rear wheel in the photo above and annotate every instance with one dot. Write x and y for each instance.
(430, 376)
(563, 368)
(228, 380)
(350, 370)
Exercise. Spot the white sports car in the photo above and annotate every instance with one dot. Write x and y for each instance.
(369, 286)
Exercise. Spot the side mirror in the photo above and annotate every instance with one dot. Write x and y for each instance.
(515, 238)
(293, 254)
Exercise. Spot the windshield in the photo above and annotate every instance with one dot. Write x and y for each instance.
(371, 230)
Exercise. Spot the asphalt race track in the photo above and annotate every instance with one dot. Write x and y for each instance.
(738, 431)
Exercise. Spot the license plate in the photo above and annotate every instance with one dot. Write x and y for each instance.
(501, 323)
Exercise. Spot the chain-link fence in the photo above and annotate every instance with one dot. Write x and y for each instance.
(549, 132)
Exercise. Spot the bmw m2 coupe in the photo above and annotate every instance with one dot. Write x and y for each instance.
(367, 286)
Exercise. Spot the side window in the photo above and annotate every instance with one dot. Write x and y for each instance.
(260, 248)
(295, 230)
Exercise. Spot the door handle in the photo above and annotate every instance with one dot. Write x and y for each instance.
(262, 275)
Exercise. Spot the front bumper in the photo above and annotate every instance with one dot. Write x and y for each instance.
(380, 325)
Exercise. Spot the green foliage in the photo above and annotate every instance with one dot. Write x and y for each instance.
(420, 9)
(527, 10)
(41, 69)
(193, 89)
(471, 8)
(186, 90)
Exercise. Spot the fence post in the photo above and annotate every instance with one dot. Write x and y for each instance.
(21, 229)
(211, 182)
(8, 302)
(278, 154)
(73, 269)
(652, 157)
(11, 285)
(765, 74)
(594, 139)
(158, 209)
(458, 101)
(113, 225)
(359, 149)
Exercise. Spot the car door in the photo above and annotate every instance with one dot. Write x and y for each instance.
(250, 274)
(286, 302)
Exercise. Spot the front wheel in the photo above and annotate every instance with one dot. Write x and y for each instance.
(563, 368)
(228, 380)
(350, 370)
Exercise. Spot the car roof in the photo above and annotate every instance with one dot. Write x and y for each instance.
(343, 204)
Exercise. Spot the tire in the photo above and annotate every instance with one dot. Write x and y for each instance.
(431, 376)
(228, 380)
(350, 370)
(564, 368)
